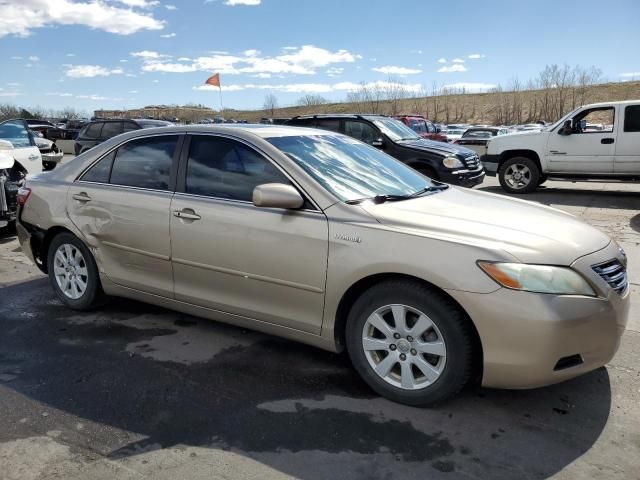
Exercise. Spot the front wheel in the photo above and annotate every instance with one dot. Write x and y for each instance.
(73, 273)
(519, 175)
(410, 343)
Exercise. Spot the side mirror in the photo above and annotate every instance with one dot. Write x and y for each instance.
(378, 142)
(566, 128)
(438, 130)
(277, 195)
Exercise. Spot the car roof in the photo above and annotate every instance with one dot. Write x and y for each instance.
(259, 130)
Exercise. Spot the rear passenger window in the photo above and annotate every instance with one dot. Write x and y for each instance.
(632, 118)
(145, 162)
(111, 129)
(224, 168)
(100, 171)
(329, 124)
(93, 130)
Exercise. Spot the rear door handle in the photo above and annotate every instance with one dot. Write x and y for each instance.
(81, 197)
(186, 214)
(607, 141)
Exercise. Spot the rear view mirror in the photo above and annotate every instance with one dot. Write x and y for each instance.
(277, 195)
(566, 128)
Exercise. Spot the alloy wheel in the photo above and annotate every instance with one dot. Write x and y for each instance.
(70, 271)
(404, 347)
(517, 176)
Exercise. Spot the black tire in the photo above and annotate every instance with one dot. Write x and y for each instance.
(47, 166)
(449, 318)
(93, 295)
(531, 180)
(542, 179)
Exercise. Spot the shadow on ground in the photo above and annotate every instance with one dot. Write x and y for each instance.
(297, 409)
(549, 195)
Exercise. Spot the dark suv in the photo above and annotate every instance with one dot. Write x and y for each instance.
(97, 131)
(438, 160)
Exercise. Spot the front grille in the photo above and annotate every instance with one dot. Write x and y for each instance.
(472, 162)
(614, 273)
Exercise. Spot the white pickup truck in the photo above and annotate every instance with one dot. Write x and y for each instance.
(570, 149)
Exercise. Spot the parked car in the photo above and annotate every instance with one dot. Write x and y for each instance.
(50, 152)
(476, 138)
(97, 131)
(66, 130)
(40, 127)
(422, 127)
(454, 132)
(319, 238)
(567, 150)
(438, 160)
(19, 157)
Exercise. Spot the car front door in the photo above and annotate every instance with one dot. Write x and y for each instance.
(228, 255)
(24, 151)
(121, 204)
(627, 160)
(584, 151)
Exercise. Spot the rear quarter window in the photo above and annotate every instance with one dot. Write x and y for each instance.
(632, 118)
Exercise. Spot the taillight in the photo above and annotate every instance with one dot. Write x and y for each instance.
(23, 195)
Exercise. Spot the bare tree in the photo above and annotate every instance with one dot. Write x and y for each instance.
(270, 103)
(310, 100)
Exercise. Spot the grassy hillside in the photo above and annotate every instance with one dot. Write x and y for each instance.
(491, 108)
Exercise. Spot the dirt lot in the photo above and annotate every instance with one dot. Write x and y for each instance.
(134, 391)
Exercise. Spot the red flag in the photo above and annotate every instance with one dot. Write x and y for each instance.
(214, 80)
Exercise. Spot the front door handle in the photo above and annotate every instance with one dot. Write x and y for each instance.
(81, 197)
(607, 141)
(186, 214)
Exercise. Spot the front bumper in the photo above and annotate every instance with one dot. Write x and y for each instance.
(53, 155)
(525, 335)
(464, 177)
(491, 163)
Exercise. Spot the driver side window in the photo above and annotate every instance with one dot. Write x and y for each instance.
(360, 131)
(594, 120)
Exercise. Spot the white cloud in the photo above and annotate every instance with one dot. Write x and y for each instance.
(171, 7)
(442, 60)
(133, 91)
(60, 94)
(20, 18)
(393, 70)
(146, 54)
(630, 75)
(70, 55)
(139, 3)
(124, 61)
(15, 57)
(250, 3)
(168, 35)
(13, 84)
(90, 71)
(34, 58)
(10, 94)
(457, 60)
(305, 60)
(262, 75)
(475, 56)
(334, 71)
(456, 67)
(156, 81)
(470, 86)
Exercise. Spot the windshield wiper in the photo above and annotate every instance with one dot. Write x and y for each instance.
(377, 199)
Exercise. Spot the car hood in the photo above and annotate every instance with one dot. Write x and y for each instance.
(530, 232)
(439, 147)
(43, 142)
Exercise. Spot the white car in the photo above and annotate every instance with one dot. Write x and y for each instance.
(50, 152)
(570, 150)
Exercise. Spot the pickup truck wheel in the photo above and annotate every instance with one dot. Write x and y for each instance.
(542, 180)
(410, 343)
(519, 175)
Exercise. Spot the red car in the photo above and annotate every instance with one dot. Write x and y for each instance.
(423, 127)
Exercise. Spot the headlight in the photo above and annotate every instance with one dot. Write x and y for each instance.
(452, 162)
(538, 278)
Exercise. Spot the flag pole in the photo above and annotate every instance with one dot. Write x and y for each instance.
(221, 107)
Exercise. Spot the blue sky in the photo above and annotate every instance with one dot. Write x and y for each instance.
(126, 53)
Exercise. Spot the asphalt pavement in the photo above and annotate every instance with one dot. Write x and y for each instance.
(134, 391)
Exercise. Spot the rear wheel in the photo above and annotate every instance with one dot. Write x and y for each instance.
(73, 273)
(519, 175)
(410, 343)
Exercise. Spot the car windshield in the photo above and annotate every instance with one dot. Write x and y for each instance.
(395, 129)
(351, 169)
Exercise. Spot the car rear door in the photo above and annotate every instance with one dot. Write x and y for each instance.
(121, 204)
(627, 159)
(228, 255)
(24, 151)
